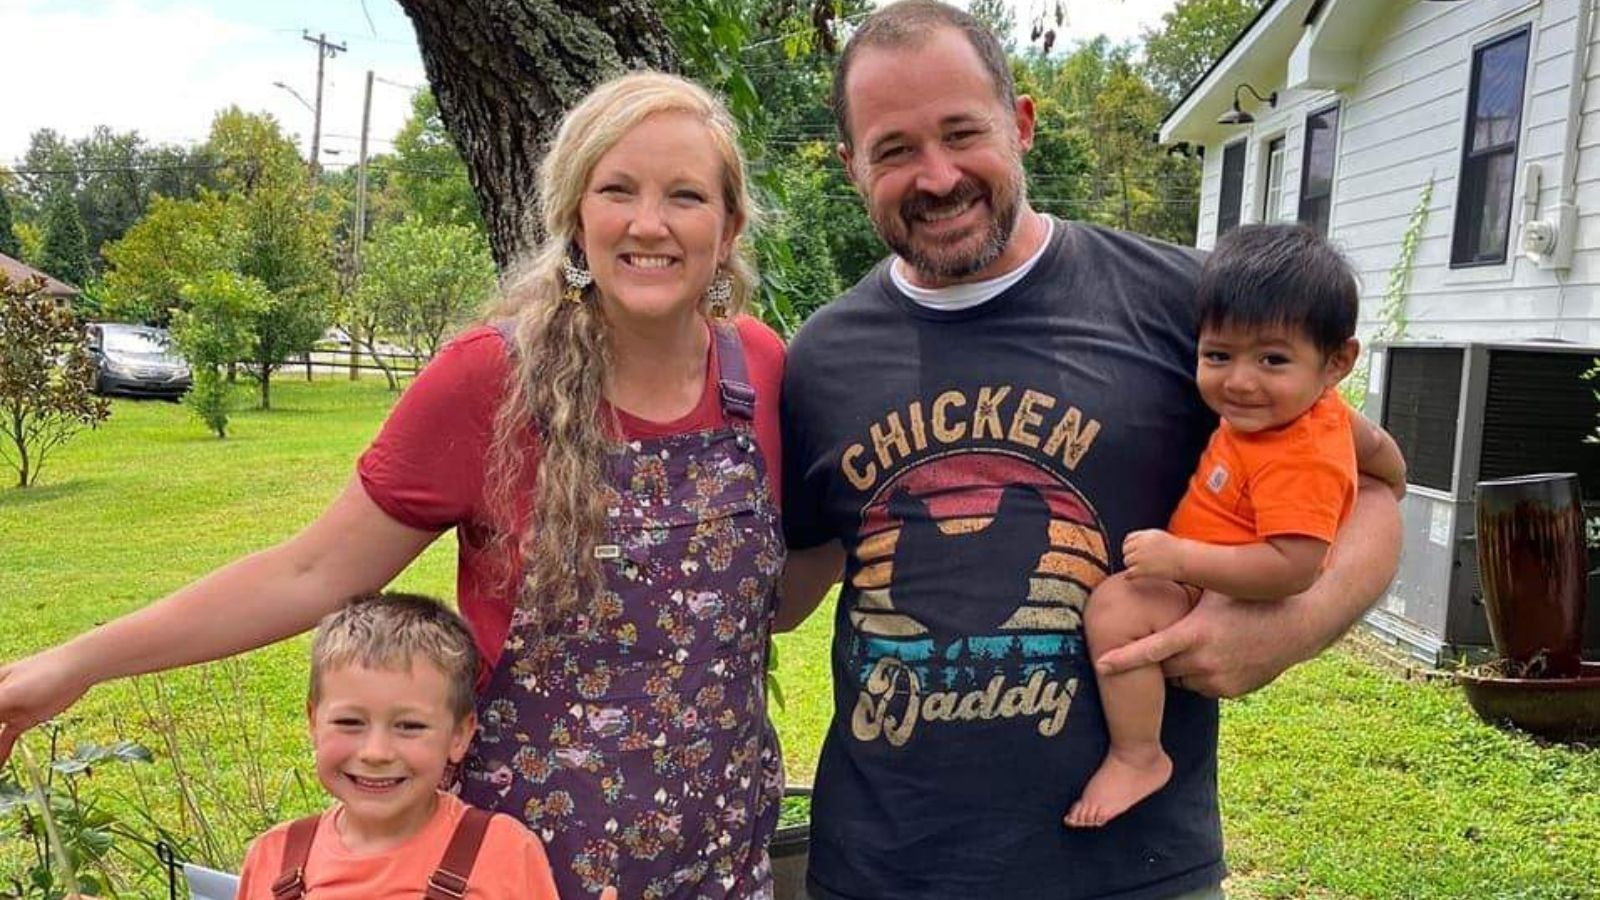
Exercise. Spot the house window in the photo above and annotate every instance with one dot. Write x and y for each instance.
(1489, 151)
(1316, 170)
(1232, 188)
(1272, 190)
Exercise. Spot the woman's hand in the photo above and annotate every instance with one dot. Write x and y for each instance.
(35, 689)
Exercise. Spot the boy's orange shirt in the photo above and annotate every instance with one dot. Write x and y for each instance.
(511, 863)
(1296, 480)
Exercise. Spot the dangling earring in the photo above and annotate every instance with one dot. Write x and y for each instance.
(719, 293)
(576, 278)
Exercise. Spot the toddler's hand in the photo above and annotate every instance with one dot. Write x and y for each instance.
(1153, 553)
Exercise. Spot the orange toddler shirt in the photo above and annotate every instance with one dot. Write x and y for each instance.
(1296, 480)
(511, 862)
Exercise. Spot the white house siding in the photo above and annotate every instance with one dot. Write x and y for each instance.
(1402, 123)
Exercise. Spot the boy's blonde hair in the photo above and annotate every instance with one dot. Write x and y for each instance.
(391, 631)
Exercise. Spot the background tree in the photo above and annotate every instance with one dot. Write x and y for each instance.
(1062, 166)
(112, 192)
(9, 245)
(45, 376)
(772, 60)
(31, 238)
(1001, 18)
(426, 174)
(49, 171)
(286, 245)
(504, 73)
(1192, 36)
(250, 151)
(111, 175)
(265, 223)
(213, 330)
(178, 242)
(65, 254)
(422, 281)
(180, 173)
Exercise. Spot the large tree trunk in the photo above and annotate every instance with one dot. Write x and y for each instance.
(504, 72)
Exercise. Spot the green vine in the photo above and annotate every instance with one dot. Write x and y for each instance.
(1392, 320)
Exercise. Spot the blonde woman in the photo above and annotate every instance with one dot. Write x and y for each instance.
(606, 448)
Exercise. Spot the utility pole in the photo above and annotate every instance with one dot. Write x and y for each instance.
(325, 51)
(361, 216)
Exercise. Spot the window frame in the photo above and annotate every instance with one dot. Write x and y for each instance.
(1459, 232)
(1336, 108)
(1242, 146)
(1268, 212)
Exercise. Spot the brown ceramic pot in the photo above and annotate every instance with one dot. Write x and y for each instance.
(1531, 567)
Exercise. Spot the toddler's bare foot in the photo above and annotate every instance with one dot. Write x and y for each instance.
(1122, 780)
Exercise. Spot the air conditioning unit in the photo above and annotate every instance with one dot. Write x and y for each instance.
(1464, 413)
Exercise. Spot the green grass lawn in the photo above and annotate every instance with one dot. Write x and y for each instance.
(1339, 781)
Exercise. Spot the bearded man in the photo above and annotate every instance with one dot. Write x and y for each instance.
(1001, 353)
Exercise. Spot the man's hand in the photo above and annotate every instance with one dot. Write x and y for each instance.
(1223, 648)
(1228, 647)
(1153, 553)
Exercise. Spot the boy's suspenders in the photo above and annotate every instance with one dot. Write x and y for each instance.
(448, 881)
(291, 883)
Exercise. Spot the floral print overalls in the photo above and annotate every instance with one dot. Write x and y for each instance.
(634, 739)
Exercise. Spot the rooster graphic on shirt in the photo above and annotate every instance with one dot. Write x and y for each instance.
(971, 578)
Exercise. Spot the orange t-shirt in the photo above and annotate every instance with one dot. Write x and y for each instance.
(1296, 480)
(511, 862)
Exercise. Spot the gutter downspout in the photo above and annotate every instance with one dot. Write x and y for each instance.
(1575, 98)
(1566, 211)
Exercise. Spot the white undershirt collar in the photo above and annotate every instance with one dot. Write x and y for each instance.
(966, 296)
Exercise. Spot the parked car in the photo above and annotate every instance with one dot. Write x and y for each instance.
(136, 359)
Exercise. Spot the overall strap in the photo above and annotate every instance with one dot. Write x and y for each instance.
(449, 881)
(738, 397)
(291, 883)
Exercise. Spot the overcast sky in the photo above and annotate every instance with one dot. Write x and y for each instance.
(165, 67)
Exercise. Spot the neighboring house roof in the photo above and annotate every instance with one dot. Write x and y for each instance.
(19, 271)
(1290, 44)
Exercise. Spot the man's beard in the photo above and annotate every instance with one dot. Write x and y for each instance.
(965, 258)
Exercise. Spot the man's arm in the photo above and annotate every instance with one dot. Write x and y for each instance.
(807, 576)
(1377, 454)
(1228, 648)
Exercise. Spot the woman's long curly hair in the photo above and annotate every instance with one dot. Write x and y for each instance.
(560, 352)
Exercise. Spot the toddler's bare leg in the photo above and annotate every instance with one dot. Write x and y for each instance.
(1122, 610)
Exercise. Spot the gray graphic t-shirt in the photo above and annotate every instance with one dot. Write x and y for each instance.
(981, 468)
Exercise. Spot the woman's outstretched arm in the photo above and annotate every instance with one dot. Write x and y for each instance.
(354, 547)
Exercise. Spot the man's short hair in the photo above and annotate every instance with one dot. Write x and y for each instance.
(391, 632)
(1288, 276)
(910, 23)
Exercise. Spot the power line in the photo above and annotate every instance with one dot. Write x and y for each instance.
(400, 84)
(113, 170)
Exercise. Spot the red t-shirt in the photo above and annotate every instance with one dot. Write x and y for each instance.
(427, 465)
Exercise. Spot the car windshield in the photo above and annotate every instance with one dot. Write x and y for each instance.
(131, 340)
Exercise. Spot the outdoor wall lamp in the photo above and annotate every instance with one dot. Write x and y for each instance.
(1237, 116)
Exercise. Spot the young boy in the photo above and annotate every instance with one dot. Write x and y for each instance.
(390, 707)
(1277, 317)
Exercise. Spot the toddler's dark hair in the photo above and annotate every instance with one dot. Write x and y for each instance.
(1260, 276)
